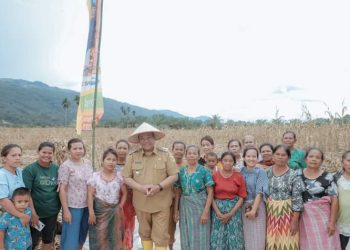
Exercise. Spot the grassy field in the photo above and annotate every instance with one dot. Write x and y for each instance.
(332, 139)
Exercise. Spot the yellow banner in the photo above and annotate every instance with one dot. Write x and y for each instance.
(87, 94)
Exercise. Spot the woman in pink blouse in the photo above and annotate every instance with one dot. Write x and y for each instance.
(73, 175)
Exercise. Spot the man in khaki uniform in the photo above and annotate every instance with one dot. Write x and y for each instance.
(150, 171)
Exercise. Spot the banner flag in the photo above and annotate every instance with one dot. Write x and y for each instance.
(87, 94)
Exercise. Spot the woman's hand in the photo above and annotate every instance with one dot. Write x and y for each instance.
(251, 215)
(331, 229)
(294, 227)
(25, 219)
(219, 214)
(225, 218)
(35, 219)
(67, 217)
(92, 218)
(204, 217)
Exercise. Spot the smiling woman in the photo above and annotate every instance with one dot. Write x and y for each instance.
(41, 178)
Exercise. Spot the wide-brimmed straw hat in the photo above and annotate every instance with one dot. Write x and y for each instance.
(145, 128)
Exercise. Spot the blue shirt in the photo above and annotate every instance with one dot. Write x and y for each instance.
(17, 236)
(9, 182)
(256, 183)
(195, 182)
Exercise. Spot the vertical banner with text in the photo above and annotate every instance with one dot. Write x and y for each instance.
(90, 74)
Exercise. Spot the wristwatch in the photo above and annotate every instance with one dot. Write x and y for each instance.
(160, 187)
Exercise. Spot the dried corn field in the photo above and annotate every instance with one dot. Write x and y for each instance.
(332, 139)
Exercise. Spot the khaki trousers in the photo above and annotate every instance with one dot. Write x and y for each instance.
(154, 226)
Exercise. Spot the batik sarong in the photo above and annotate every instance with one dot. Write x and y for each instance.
(255, 230)
(227, 236)
(193, 234)
(107, 233)
(313, 226)
(279, 217)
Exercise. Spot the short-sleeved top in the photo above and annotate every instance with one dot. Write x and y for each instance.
(324, 185)
(296, 160)
(119, 167)
(107, 191)
(75, 176)
(42, 181)
(285, 187)
(227, 188)
(195, 182)
(256, 183)
(343, 222)
(9, 182)
(151, 169)
(17, 236)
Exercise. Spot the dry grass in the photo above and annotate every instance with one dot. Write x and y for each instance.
(332, 139)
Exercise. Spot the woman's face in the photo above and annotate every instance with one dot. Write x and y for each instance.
(77, 150)
(346, 163)
(251, 158)
(122, 149)
(207, 147)
(234, 148)
(289, 140)
(227, 162)
(45, 155)
(179, 151)
(109, 162)
(192, 156)
(14, 158)
(280, 157)
(266, 153)
(314, 159)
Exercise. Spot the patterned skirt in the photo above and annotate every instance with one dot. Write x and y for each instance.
(313, 226)
(227, 236)
(278, 221)
(108, 232)
(193, 234)
(255, 230)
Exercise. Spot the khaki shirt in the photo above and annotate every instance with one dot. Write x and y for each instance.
(151, 169)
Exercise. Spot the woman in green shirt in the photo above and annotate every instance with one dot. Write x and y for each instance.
(296, 160)
(41, 178)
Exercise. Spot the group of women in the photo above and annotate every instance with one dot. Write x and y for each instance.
(274, 197)
(95, 203)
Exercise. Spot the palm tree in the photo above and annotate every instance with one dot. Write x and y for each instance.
(65, 105)
(77, 100)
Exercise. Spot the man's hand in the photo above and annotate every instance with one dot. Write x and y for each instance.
(154, 190)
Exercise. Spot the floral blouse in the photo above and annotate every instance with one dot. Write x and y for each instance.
(107, 191)
(287, 186)
(75, 176)
(324, 185)
(195, 182)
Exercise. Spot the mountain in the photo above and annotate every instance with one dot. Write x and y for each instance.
(25, 103)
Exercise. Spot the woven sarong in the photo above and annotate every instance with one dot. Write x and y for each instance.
(107, 234)
(227, 236)
(255, 230)
(313, 226)
(279, 217)
(193, 234)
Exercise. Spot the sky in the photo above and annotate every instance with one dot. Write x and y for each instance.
(242, 60)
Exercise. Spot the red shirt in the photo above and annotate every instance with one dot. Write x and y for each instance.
(230, 187)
